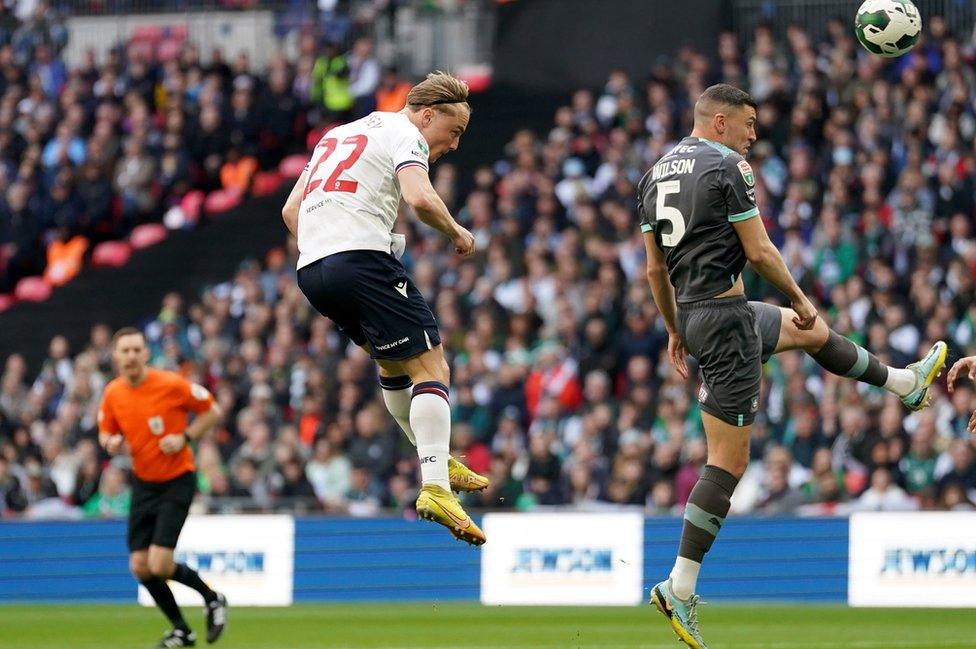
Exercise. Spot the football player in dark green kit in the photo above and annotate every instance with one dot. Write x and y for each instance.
(701, 226)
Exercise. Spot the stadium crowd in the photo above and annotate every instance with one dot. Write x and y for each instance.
(561, 389)
(93, 150)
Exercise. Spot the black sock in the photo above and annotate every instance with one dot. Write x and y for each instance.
(705, 512)
(189, 577)
(842, 357)
(166, 602)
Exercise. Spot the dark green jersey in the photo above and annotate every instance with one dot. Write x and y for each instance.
(689, 200)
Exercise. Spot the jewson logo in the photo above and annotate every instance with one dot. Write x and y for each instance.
(562, 560)
(929, 561)
(223, 563)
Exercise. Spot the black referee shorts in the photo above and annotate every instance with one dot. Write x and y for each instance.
(731, 338)
(159, 510)
(369, 296)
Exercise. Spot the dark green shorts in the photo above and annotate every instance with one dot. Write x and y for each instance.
(731, 338)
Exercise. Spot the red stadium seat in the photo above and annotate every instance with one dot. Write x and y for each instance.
(146, 235)
(6, 301)
(111, 254)
(192, 203)
(168, 50)
(32, 289)
(478, 77)
(266, 182)
(147, 33)
(293, 165)
(222, 200)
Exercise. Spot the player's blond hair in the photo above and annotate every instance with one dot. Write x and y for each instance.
(437, 90)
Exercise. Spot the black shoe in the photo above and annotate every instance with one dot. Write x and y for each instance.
(178, 638)
(216, 617)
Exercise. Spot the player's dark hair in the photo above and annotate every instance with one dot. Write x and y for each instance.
(127, 331)
(725, 95)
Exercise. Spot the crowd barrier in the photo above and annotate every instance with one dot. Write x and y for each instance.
(889, 559)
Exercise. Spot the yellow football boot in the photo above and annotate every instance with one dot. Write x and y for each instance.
(440, 506)
(464, 479)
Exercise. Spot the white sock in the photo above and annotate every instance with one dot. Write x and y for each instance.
(900, 381)
(430, 419)
(684, 577)
(397, 400)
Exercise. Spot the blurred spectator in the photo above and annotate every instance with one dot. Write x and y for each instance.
(391, 94)
(364, 77)
(113, 498)
(330, 85)
(883, 495)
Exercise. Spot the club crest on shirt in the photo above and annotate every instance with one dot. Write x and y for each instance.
(156, 426)
(746, 172)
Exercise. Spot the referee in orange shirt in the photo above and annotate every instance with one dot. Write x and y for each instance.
(147, 410)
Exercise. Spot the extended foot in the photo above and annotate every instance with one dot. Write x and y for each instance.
(926, 371)
(440, 506)
(216, 618)
(682, 614)
(464, 479)
(178, 638)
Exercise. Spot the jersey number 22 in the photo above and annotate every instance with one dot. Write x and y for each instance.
(332, 183)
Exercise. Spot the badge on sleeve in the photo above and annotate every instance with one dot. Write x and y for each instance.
(746, 172)
(199, 392)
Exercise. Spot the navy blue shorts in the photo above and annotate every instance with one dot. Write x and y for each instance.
(369, 296)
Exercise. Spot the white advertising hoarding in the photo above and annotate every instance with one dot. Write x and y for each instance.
(248, 558)
(563, 559)
(913, 559)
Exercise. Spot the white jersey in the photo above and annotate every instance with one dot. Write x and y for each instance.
(352, 192)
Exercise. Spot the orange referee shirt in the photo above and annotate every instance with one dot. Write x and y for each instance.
(145, 413)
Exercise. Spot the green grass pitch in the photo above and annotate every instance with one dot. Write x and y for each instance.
(470, 626)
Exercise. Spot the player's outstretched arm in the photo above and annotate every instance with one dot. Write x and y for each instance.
(419, 194)
(767, 261)
(289, 213)
(663, 291)
(966, 366)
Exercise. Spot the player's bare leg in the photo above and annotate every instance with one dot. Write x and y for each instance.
(429, 420)
(162, 566)
(397, 387)
(840, 356)
(708, 505)
(180, 635)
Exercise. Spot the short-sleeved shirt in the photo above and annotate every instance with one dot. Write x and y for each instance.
(689, 199)
(145, 413)
(352, 194)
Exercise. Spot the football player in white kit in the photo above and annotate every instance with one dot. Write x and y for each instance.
(342, 210)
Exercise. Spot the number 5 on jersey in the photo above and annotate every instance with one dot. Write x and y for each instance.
(333, 183)
(670, 214)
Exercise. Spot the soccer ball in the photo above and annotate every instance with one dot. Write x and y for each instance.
(888, 28)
